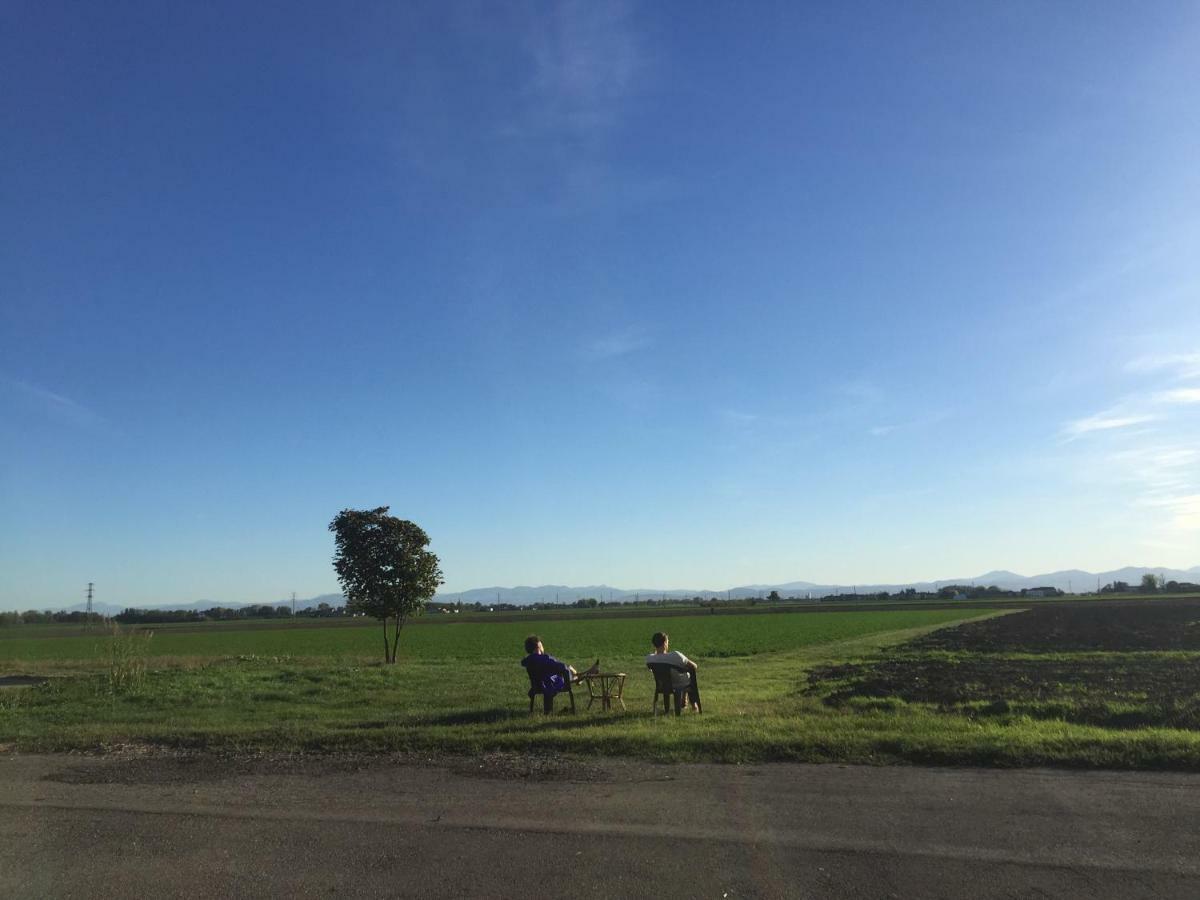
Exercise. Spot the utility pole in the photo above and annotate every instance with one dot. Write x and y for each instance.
(293, 605)
(89, 601)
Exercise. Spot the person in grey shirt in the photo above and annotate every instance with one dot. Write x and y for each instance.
(683, 677)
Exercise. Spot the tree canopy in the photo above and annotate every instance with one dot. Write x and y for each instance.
(384, 569)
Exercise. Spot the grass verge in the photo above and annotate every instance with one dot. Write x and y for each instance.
(759, 694)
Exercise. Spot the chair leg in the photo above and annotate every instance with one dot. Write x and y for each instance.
(531, 704)
(678, 703)
(548, 704)
(571, 694)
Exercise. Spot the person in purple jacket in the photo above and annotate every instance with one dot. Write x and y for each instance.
(552, 674)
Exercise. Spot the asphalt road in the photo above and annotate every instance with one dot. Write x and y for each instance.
(496, 826)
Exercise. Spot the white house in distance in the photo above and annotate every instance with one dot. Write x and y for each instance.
(1040, 592)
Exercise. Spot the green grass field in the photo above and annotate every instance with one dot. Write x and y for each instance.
(458, 688)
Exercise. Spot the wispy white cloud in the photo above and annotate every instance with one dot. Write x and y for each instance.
(1179, 395)
(1150, 483)
(586, 57)
(1155, 470)
(924, 420)
(773, 436)
(619, 343)
(550, 126)
(632, 391)
(587, 60)
(1122, 264)
(737, 417)
(1180, 365)
(1148, 405)
(49, 404)
(1105, 421)
(861, 390)
(1157, 544)
(1183, 510)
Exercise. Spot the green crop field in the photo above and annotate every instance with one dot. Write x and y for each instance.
(620, 642)
(778, 686)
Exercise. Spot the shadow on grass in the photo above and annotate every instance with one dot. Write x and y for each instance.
(474, 716)
(560, 719)
(22, 680)
(580, 721)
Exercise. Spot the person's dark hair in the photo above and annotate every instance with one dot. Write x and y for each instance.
(531, 643)
(660, 638)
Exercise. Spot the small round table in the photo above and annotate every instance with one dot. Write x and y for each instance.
(605, 687)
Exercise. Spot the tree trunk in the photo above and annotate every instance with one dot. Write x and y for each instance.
(396, 637)
(387, 657)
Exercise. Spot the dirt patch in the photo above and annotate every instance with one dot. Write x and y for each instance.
(151, 766)
(1072, 627)
(946, 682)
(1117, 665)
(530, 767)
(138, 764)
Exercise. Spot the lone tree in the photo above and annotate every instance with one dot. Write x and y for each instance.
(384, 568)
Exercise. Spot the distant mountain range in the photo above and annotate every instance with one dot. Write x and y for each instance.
(1070, 580)
(110, 609)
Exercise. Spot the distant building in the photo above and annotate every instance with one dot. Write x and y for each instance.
(1041, 592)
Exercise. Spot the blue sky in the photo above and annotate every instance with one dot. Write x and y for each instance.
(655, 295)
